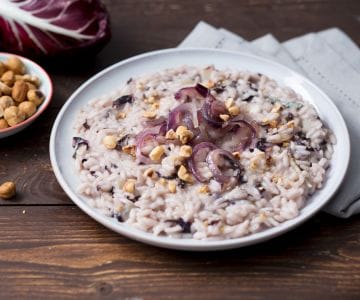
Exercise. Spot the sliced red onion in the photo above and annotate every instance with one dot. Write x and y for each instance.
(141, 139)
(202, 90)
(241, 134)
(162, 129)
(155, 122)
(215, 160)
(185, 114)
(189, 94)
(199, 154)
(212, 109)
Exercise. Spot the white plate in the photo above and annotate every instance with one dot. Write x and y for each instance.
(46, 87)
(117, 75)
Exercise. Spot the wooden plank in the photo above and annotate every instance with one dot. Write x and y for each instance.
(61, 252)
(58, 252)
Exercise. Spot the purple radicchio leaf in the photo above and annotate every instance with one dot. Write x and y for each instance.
(53, 27)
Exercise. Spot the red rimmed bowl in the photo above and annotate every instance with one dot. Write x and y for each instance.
(46, 87)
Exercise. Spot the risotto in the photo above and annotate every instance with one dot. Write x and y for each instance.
(197, 152)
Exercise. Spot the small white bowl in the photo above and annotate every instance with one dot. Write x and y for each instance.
(46, 88)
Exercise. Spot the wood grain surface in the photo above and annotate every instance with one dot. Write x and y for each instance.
(49, 249)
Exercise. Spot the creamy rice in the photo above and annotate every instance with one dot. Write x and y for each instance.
(271, 175)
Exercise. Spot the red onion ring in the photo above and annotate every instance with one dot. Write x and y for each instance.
(212, 109)
(199, 154)
(242, 134)
(214, 159)
(184, 114)
(155, 122)
(188, 94)
(141, 139)
(202, 90)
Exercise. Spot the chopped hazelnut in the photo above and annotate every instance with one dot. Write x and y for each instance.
(210, 84)
(172, 186)
(285, 144)
(170, 135)
(183, 134)
(110, 141)
(150, 100)
(277, 107)
(273, 123)
(149, 114)
(185, 151)
(121, 115)
(150, 173)
(162, 181)
(204, 189)
(229, 102)
(155, 105)
(234, 110)
(129, 186)
(156, 153)
(129, 149)
(291, 124)
(224, 117)
(236, 154)
(184, 175)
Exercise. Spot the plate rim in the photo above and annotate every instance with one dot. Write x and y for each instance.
(191, 244)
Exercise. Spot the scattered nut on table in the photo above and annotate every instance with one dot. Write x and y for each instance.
(19, 92)
(7, 190)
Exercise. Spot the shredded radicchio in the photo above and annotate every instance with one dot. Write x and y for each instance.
(122, 142)
(53, 27)
(118, 217)
(86, 125)
(118, 103)
(185, 226)
(77, 142)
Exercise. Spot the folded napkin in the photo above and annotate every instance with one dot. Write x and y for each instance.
(331, 60)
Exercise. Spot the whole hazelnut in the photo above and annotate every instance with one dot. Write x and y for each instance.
(35, 96)
(2, 68)
(7, 190)
(3, 124)
(28, 108)
(19, 91)
(13, 115)
(4, 89)
(31, 86)
(8, 78)
(6, 101)
(14, 64)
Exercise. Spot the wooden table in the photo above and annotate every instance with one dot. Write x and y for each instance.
(50, 249)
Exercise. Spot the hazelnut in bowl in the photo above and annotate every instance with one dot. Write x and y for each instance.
(25, 92)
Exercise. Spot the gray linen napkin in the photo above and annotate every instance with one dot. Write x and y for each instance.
(330, 59)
